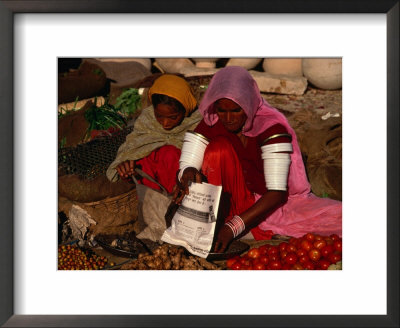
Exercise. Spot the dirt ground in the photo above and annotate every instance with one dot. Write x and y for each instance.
(319, 101)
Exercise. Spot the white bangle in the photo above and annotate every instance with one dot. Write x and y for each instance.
(237, 225)
(192, 152)
(276, 171)
(277, 147)
(276, 165)
(181, 170)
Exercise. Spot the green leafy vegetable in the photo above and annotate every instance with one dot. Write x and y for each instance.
(103, 117)
(128, 102)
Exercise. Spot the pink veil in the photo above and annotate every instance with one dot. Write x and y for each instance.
(236, 83)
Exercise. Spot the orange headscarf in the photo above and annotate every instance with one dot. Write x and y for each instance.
(175, 87)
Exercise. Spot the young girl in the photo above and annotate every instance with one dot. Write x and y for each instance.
(157, 137)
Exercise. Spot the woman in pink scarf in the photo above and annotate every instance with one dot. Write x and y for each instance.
(238, 122)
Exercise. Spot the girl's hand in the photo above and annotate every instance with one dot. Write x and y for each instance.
(224, 238)
(182, 187)
(126, 170)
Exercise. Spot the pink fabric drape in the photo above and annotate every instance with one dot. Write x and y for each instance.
(303, 212)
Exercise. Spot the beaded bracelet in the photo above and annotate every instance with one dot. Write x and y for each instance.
(237, 225)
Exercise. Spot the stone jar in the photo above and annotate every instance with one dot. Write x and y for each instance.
(324, 73)
(247, 63)
(283, 66)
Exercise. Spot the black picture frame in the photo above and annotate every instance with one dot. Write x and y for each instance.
(7, 11)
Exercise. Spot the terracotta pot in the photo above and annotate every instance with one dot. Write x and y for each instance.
(283, 66)
(324, 73)
(247, 63)
(205, 62)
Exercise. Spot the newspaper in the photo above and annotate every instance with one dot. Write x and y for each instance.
(193, 224)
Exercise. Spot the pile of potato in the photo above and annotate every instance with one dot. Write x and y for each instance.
(169, 257)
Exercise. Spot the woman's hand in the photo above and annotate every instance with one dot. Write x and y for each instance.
(224, 238)
(126, 170)
(181, 188)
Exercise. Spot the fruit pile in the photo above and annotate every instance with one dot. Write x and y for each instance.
(310, 252)
(71, 257)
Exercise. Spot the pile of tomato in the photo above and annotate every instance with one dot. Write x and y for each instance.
(310, 252)
(71, 257)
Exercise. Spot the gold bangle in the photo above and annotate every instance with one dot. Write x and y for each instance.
(277, 136)
(198, 135)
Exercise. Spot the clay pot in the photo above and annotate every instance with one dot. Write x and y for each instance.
(283, 66)
(247, 63)
(324, 73)
(146, 62)
(205, 62)
(173, 65)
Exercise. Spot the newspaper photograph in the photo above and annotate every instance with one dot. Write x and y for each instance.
(193, 224)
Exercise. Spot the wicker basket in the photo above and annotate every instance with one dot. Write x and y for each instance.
(121, 203)
(117, 214)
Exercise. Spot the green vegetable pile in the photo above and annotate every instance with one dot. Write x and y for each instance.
(128, 102)
(109, 116)
(103, 118)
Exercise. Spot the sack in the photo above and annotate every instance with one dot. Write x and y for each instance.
(152, 208)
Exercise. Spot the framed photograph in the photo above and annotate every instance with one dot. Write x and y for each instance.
(34, 34)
